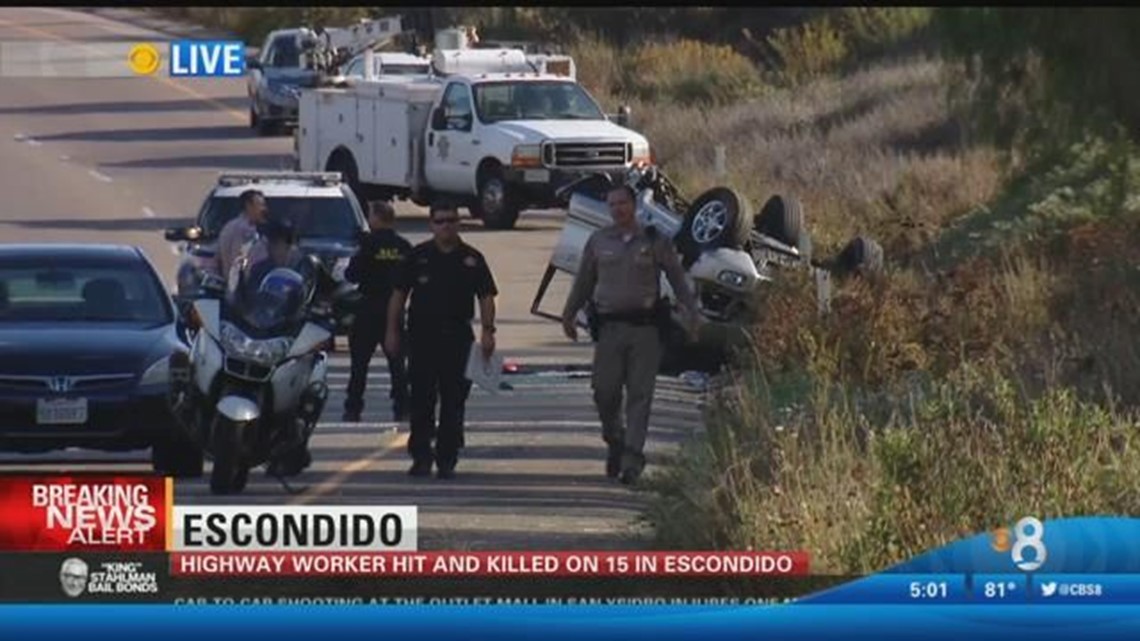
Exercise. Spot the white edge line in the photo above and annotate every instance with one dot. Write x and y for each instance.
(98, 176)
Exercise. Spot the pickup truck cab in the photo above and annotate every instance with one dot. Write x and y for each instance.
(493, 129)
(391, 65)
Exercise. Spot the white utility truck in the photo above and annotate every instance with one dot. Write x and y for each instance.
(496, 130)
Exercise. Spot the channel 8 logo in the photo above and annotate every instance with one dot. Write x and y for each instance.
(1026, 547)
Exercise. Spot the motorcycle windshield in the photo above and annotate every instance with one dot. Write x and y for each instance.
(279, 300)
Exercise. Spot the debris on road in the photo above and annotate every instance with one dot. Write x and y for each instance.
(694, 379)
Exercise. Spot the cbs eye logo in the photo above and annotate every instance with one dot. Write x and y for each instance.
(1026, 537)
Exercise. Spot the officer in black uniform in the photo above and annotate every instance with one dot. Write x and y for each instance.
(373, 268)
(443, 276)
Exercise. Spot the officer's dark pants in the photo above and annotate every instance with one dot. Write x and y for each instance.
(437, 368)
(367, 332)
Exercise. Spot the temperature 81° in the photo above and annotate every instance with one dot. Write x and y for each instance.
(999, 589)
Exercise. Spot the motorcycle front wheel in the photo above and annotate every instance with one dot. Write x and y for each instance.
(229, 474)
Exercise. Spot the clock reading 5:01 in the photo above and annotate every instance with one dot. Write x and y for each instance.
(929, 590)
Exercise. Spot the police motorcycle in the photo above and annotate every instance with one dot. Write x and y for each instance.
(254, 384)
(727, 250)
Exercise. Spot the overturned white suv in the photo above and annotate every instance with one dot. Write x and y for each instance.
(728, 253)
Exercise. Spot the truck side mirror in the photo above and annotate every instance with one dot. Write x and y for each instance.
(623, 115)
(438, 119)
(251, 62)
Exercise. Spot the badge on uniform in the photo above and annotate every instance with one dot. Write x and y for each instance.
(470, 261)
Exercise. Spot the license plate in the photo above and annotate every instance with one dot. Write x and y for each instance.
(536, 175)
(61, 411)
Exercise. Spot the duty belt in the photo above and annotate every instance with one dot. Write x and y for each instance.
(636, 317)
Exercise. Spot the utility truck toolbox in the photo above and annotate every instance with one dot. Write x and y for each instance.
(495, 129)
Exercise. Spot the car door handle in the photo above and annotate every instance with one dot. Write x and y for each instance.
(475, 142)
(431, 138)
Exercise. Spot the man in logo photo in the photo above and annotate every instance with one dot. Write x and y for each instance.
(73, 577)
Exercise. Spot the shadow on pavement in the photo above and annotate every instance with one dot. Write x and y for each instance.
(165, 134)
(470, 493)
(112, 224)
(498, 453)
(266, 162)
(528, 222)
(122, 107)
(103, 38)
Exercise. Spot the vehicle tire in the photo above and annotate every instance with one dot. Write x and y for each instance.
(861, 257)
(718, 218)
(342, 162)
(782, 218)
(175, 455)
(229, 474)
(495, 204)
(260, 126)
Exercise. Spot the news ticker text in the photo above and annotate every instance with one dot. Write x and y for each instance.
(147, 578)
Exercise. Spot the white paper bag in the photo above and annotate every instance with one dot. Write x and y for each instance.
(484, 372)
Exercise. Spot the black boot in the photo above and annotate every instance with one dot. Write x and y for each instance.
(613, 461)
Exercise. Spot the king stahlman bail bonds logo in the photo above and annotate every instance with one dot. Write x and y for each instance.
(113, 578)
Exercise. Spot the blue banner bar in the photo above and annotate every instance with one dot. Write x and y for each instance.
(999, 589)
(1086, 589)
(557, 623)
(927, 589)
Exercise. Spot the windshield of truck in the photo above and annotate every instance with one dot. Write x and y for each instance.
(332, 218)
(529, 100)
(285, 53)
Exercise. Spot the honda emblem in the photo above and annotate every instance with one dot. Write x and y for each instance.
(60, 384)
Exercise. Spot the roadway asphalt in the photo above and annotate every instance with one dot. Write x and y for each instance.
(118, 159)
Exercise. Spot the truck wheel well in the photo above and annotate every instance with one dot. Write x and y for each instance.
(486, 166)
(340, 157)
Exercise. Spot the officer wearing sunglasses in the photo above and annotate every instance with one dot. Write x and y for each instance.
(440, 281)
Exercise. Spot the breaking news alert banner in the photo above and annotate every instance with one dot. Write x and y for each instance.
(84, 512)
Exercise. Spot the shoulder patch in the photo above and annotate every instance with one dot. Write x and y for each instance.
(471, 261)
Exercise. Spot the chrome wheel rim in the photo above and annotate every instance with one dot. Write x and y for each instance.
(710, 222)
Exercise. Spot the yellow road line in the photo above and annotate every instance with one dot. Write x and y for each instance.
(330, 485)
(238, 115)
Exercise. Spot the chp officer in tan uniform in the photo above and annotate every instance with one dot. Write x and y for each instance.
(620, 277)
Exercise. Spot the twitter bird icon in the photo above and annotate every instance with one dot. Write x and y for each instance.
(1048, 589)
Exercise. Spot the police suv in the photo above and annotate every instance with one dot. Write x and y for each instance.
(327, 216)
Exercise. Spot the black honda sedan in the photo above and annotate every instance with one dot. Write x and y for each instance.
(86, 334)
